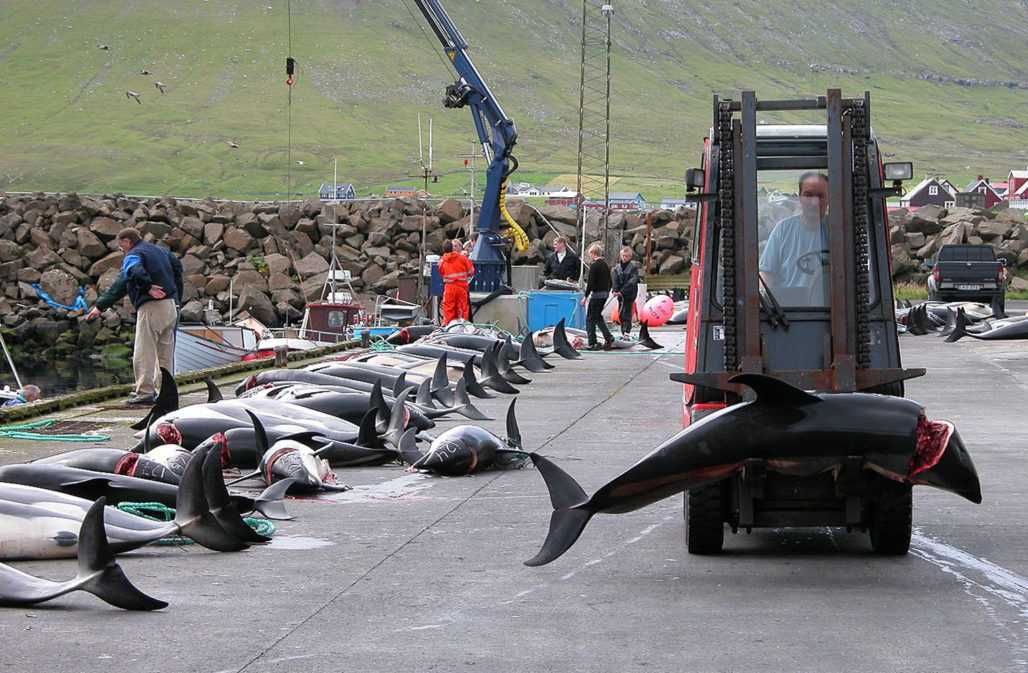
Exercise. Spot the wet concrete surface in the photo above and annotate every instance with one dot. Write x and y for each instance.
(419, 573)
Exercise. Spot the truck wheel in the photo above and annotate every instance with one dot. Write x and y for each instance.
(890, 524)
(704, 525)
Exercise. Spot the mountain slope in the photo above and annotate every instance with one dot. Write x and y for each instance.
(949, 81)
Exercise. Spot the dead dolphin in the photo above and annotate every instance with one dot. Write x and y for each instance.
(98, 573)
(783, 422)
(114, 461)
(37, 523)
(467, 449)
(291, 460)
(1004, 329)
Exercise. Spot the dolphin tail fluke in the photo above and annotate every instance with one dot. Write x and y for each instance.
(569, 512)
(398, 419)
(100, 574)
(367, 431)
(491, 377)
(408, 447)
(471, 382)
(464, 406)
(503, 365)
(440, 379)
(401, 383)
(561, 345)
(167, 401)
(221, 505)
(530, 358)
(269, 502)
(192, 511)
(951, 323)
(513, 432)
(423, 398)
(378, 403)
(959, 327)
(645, 339)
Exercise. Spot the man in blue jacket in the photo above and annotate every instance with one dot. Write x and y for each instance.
(152, 278)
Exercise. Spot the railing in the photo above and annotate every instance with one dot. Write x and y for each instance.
(1020, 204)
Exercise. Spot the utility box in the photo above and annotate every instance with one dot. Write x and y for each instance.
(525, 278)
(546, 308)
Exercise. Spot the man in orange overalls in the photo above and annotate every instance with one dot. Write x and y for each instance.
(456, 270)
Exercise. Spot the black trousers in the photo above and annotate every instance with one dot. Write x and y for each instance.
(625, 316)
(594, 318)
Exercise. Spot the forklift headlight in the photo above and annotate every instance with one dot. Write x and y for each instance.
(900, 170)
(694, 179)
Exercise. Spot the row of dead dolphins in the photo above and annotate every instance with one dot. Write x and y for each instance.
(957, 320)
(288, 428)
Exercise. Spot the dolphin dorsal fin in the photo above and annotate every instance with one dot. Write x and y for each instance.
(774, 391)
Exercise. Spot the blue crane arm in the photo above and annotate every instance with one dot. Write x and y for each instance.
(496, 132)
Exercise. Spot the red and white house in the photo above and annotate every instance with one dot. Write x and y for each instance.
(1016, 180)
(1019, 199)
(984, 187)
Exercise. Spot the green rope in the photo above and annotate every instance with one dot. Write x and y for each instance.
(24, 431)
(380, 345)
(160, 512)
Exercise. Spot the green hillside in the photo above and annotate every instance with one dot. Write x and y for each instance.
(367, 69)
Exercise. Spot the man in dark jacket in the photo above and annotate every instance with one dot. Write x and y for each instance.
(626, 287)
(563, 264)
(597, 290)
(152, 278)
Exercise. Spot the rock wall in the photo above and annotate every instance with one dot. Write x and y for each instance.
(274, 256)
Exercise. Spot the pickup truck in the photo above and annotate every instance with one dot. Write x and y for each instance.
(968, 272)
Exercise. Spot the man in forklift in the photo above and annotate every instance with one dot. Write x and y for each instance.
(793, 265)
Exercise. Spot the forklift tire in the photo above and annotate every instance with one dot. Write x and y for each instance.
(704, 525)
(890, 524)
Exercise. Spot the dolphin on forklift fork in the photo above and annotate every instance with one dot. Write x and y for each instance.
(785, 425)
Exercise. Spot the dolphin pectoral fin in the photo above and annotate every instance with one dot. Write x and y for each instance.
(464, 406)
(561, 345)
(570, 514)
(88, 489)
(99, 572)
(513, 432)
(336, 488)
(774, 391)
(645, 339)
(269, 502)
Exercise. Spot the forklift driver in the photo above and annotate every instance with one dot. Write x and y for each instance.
(793, 262)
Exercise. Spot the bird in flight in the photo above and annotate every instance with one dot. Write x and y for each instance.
(299, 163)
(160, 86)
(134, 95)
(232, 144)
(103, 47)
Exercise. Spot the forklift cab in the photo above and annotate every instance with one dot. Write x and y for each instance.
(791, 278)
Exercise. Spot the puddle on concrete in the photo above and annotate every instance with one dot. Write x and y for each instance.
(394, 489)
(298, 542)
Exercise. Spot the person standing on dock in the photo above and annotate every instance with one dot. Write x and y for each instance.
(597, 290)
(456, 270)
(152, 278)
(626, 287)
(563, 264)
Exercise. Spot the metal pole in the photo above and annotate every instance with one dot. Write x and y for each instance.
(10, 362)
(579, 197)
(608, 11)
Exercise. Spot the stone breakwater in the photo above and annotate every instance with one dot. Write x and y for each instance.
(274, 256)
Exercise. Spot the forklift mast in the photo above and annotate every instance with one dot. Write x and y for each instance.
(851, 343)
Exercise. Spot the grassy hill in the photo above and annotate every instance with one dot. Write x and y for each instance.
(949, 83)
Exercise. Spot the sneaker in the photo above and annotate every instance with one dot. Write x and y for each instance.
(593, 347)
(142, 399)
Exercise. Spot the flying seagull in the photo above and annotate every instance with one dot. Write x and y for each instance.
(160, 86)
(144, 71)
(135, 95)
(299, 163)
(103, 46)
(233, 145)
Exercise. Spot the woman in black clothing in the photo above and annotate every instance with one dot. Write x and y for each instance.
(597, 290)
(626, 287)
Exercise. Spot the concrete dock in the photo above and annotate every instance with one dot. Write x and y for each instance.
(410, 572)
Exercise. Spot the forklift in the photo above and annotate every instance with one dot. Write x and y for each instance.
(840, 339)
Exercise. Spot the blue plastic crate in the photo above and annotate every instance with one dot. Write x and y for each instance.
(547, 307)
(375, 331)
